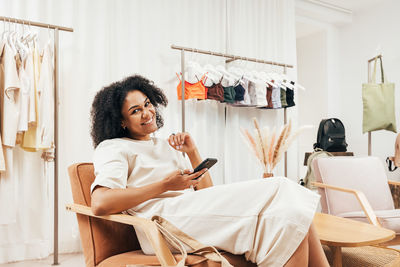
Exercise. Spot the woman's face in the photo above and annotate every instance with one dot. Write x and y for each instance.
(138, 115)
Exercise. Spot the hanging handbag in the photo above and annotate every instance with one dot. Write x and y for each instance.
(378, 104)
(394, 162)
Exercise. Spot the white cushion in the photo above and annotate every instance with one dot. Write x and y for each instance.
(366, 174)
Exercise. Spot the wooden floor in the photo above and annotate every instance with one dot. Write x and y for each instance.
(65, 260)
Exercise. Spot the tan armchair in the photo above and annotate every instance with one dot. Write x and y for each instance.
(111, 240)
(357, 188)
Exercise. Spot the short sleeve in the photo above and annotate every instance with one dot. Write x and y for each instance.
(110, 165)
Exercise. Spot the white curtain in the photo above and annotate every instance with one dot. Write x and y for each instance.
(113, 39)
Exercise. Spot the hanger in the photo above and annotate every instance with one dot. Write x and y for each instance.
(192, 70)
(284, 80)
(236, 76)
(11, 38)
(4, 29)
(26, 35)
(247, 73)
(236, 71)
(48, 34)
(227, 77)
(213, 73)
(259, 76)
(213, 76)
(33, 36)
(21, 47)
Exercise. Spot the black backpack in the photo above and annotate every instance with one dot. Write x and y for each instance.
(331, 136)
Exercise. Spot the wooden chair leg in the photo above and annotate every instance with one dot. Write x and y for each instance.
(337, 256)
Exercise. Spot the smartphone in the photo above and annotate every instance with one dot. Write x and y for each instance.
(207, 163)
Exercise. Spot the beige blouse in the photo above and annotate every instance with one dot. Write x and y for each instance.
(124, 162)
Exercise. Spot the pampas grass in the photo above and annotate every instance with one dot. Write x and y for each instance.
(269, 146)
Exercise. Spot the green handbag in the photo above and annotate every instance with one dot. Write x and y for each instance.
(378, 104)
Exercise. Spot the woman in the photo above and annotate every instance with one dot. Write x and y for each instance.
(268, 220)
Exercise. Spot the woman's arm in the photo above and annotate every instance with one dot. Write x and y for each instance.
(184, 142)
(195, 159)
(109, 201)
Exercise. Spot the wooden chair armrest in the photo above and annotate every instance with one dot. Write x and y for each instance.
(394, 182)
(362, 199)
(157, 241)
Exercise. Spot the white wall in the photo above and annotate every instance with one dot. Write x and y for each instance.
(313, 75)
(377, 26)
(348, 47)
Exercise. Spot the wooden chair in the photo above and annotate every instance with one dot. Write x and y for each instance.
(109, 241)
(357, 188)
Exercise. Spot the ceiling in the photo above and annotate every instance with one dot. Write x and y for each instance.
(312, 17)
(354, 5)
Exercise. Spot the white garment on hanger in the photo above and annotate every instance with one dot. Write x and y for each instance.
(252, 93)
(45, 89)
(2, 161)
(246, 97)
(24, 95)
(29, 70)
(276, 97)
(10, 90)
(261, 94)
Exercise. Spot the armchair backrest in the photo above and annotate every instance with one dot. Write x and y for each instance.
(366, 174)
(100, 238)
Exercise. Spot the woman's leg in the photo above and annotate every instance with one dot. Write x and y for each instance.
(300, 256)
(317, 256)
(309, 252)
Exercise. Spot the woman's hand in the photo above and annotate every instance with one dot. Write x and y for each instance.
(182, 179)
(182, 142)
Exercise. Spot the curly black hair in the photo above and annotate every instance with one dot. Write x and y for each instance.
(106, 114)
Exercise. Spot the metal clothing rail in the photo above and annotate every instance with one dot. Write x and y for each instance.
(230, 59)
(369, 78)
(56, 29)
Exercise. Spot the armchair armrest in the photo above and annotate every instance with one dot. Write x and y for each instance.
(394, 182)
(362, 199)
(157, 241)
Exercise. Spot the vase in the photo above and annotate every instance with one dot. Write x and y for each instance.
(268, 174)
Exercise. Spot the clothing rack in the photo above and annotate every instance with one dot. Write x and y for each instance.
(230, 59)
(56, 29)
(369, 78)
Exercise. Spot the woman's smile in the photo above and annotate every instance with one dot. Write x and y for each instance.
(149, 121)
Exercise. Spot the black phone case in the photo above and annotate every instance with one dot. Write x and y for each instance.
(207, 163)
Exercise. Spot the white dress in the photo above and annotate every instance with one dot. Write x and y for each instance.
(265, 219)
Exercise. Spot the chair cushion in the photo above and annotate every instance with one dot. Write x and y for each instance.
(366, 174)
(137, 257)
(389, 219)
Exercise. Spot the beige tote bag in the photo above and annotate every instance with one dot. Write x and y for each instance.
(378, 104)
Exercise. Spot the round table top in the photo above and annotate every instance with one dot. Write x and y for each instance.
(337, 231)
